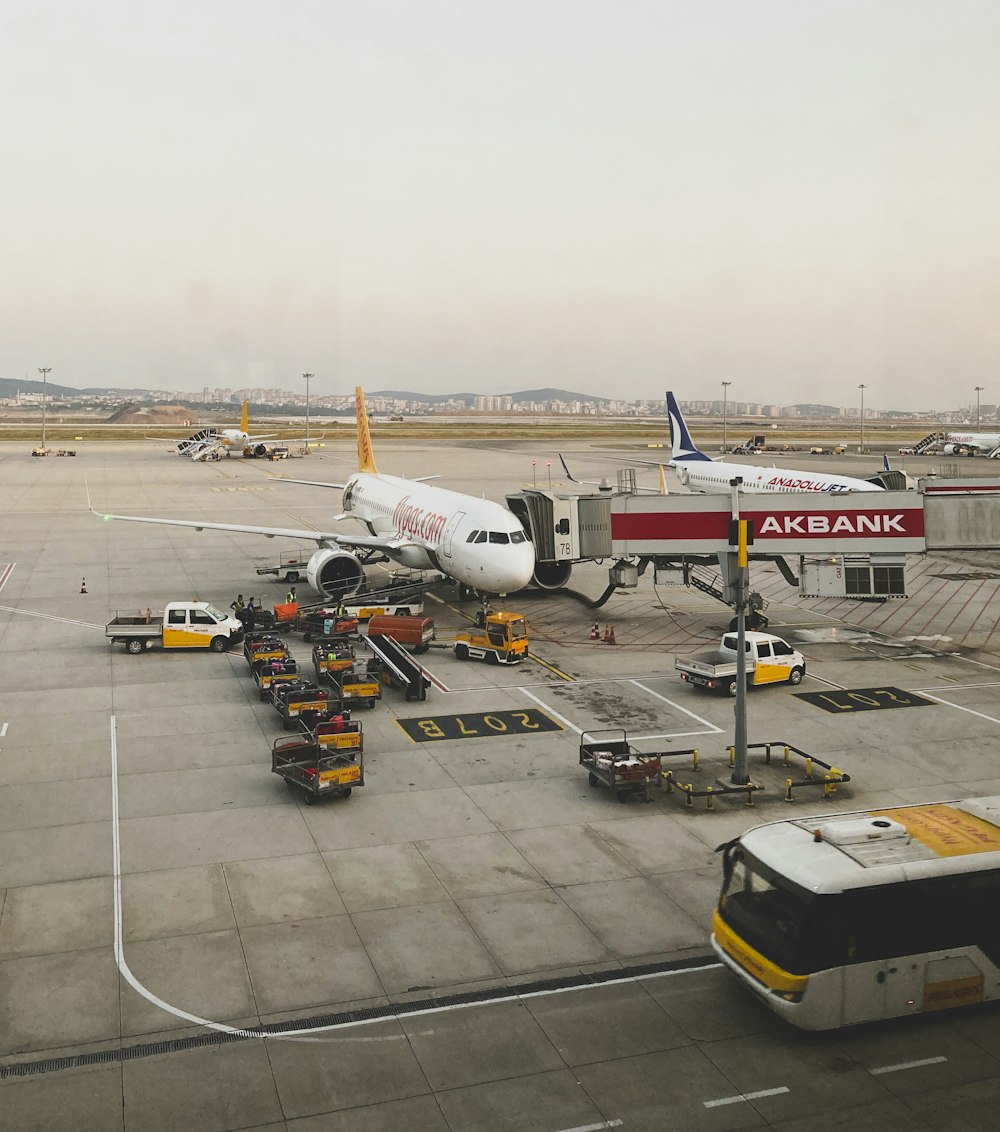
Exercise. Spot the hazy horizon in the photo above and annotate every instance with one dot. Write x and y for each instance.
(614, 199)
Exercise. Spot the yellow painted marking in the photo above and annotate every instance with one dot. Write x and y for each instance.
(552, 668)
(945, 830)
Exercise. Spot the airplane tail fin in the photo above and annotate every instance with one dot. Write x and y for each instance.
(366, 458)
(245, 419)
(683, 447)
(885, 464)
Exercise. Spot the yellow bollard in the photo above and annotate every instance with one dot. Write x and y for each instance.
(709, 800)
(787, 753)
(694, 761)
(668, 778)
(687, 790)
(788, 789)
(809, 768)
(767, 753)
(732, 755)
(829, 786)
(749, 796)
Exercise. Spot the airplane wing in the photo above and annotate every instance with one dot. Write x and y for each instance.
(605, 485)
(311, 483)
(321, 538)
(261, 436)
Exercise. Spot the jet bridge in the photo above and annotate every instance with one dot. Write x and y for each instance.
(850, 544)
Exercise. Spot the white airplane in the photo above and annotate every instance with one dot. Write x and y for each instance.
(210, 442)
(701, 473)
(478, 543)
(972, 442)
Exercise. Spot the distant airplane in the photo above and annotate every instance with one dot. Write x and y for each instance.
(701, 473)
(975, 443)
(210, 442)
(478, 543)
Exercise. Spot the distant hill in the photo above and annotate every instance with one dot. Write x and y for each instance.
(11, 386)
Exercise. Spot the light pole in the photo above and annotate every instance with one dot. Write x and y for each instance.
(308, 377)
(862, 388)
(979, 389)
(725, 412)
(44, 371)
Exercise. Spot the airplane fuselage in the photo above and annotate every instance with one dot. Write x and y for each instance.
(979, 441)
(475, 541)
(715, 476)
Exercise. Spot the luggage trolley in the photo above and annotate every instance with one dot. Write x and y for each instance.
(612, 761)
(318, 771)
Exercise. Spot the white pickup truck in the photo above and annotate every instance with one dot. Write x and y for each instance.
(770, 660)
(181, 624)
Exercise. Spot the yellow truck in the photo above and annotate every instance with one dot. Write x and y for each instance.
(501, 639)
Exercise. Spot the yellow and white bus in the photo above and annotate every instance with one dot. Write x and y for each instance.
(835, 921)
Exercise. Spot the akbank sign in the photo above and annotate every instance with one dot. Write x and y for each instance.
(862, 523)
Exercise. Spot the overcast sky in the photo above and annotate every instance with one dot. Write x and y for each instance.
(614, 197)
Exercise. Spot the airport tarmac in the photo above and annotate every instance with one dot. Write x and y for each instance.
(476, 939)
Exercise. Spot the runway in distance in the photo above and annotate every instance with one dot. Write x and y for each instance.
(478, 543)
(699, 472)
(211, 441)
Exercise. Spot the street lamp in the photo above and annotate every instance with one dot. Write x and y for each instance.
(308, 377)
(862, 388)
(44, 371)
(979, 389)
(725, 412)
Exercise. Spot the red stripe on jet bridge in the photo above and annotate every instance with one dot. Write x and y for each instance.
(784, 524)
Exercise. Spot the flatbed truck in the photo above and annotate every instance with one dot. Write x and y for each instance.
(180, 624)
(769, 660)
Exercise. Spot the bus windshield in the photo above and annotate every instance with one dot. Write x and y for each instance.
(767, 914)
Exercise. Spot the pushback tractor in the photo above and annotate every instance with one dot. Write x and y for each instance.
(840, 920)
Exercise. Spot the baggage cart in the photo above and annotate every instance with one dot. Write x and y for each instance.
(317, 771)
(613, 762)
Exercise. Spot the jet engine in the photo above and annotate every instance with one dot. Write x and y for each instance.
(551, 575)
(951, 449)
(334, 573)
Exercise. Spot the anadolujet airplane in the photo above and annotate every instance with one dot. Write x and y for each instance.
(699, 472)
(212, 440)
(478, 543)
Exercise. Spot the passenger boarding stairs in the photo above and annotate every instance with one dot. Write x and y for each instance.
(197, 443)
(922, 445)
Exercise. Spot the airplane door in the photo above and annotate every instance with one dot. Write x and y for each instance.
(448, 534)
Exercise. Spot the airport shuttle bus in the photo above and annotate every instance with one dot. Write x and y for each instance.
(840, 920)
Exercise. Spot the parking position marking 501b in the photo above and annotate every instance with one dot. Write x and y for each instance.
(478, 725)
(863, 699)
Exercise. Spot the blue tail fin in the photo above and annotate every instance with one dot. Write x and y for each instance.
(684, 448)
(885, 464)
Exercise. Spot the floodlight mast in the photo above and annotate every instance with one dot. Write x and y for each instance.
(44, 371)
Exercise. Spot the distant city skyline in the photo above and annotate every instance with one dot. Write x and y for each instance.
(795, 198)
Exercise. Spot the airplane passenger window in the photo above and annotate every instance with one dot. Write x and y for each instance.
(518, 536)
(481, 537)
(499, 537)
(472, 536)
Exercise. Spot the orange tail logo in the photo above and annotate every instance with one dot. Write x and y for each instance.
(366, 459)
(245, 420)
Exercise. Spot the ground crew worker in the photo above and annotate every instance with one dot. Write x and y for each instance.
(238, 604)
(290, 598)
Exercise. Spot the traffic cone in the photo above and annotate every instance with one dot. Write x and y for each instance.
(83, 586)
(609, 635)
(595, 633)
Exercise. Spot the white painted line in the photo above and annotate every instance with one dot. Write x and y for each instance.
(50, 617)
(958, 707)
(3, 729)
(594, 1127)
(956, 687)
(746, 1097)
(711, 726)
(907, 1065)
(306, 1033)
(552, 712)
(7, 571)
(670, 735)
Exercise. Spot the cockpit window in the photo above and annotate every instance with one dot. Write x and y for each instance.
(481, 537)
(499, 537)
(472, 536)
(518, 536)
